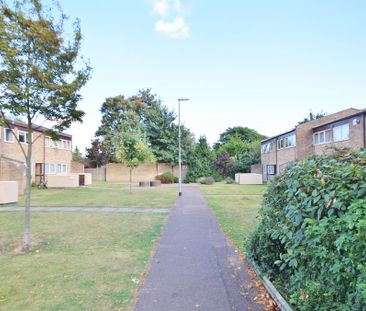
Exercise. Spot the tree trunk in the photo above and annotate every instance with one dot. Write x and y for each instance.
(130, 180)
(27, 193)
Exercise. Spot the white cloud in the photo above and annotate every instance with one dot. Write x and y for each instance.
(171, 23)
(176, 29)
(161, 7)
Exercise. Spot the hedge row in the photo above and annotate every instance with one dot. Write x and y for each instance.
(312, 237)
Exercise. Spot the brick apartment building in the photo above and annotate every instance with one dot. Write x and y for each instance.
(344, 129)
(49, 157)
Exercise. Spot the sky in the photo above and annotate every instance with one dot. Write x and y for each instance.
(261, 64)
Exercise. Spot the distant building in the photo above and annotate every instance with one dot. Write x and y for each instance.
(48, 157)
(339, 130)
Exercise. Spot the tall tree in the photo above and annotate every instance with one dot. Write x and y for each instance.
(115, 111)
(201, 161)
(156, 121)
(76, 155)
(160, 133)
(131, 147)
(98, 154)
(246, 134)
(38, 76)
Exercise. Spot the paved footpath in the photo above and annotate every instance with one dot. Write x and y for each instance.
(194, 268)
(89, 209)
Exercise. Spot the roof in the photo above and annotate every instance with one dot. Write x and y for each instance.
(363, 111)
(38, 128)
(279, 135)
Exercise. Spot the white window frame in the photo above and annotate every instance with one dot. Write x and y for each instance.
(286, 142)
(58, 144)
(267, 148)
(271, 169)
(342, 127)
(12, 135)
(49, 169)
(316, 137)
(25, 137)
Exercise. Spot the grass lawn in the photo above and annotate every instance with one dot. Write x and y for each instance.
(236, 208)
(78, 262)
(103, 194)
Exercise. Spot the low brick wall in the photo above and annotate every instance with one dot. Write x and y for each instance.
(116, 172)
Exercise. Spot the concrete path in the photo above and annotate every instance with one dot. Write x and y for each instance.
(194, 268)
(89, 209)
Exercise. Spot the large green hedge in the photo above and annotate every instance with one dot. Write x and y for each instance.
(312, 237)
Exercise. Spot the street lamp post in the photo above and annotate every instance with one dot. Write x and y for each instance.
(180, 146)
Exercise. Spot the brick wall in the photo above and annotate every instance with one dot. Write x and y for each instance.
(77, 167)
(256, 169)
(284, 157)
(116, 172)
(304, 132)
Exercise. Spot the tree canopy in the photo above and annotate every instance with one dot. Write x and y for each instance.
(156, 121)
(245, 134)
(98, 154)
(201, 161)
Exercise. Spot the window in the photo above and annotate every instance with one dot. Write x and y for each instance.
(8, 135)
(60, 144)
(322, 137)
(23, 137)
(267, 148)
(49, 168)
(271, 169)
(61, 168)
(286, 142)
(341, 132)
(47, 141)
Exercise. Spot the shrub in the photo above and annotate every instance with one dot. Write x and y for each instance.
(206, 180)
(223, 164)
(167, 178)
(217, 177)
(229, 180)
(311, 239)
